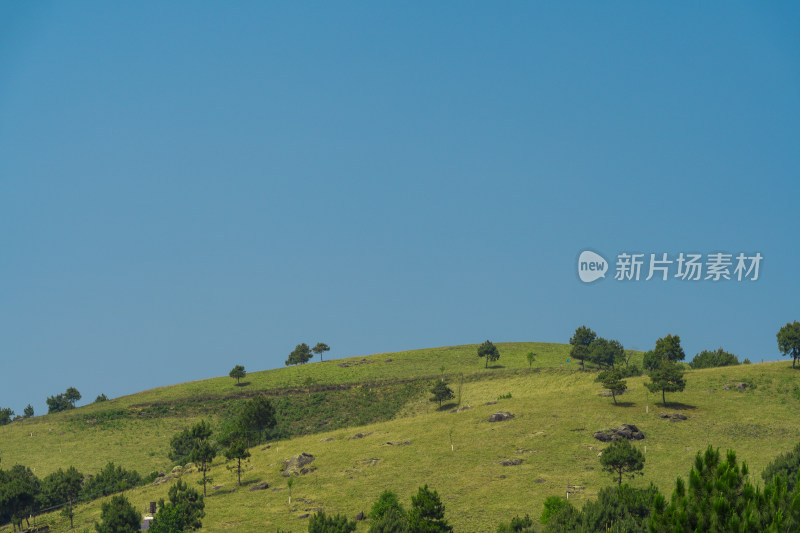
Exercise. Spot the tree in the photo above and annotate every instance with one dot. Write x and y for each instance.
(181, 446)
(622, 458)
(6, 415)
(238, 451)
(789, 340)
(320, 348)
(58, 403)
(101, 398)
(786, 465)
(441, 392)
(386, 502)
(427, 513)
(63, 401)
(612, 380)
(552, 506)
(20, 490)
(714, 501)
(72, 395)
(183, 512)
(108, 481)
(617, 509)
(118, 516)
(517, 525)
(708, 359)
(301, 354)
(580, 342)
(668, 349)
(393, 521)
(604, 353)
(63, 487)
(489, 351)
(667, 378)
(28, 412)
(257, 416)
(203, 453)
(321, 523)
(237, 373)
(531, 357)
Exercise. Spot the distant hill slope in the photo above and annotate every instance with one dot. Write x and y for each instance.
(557, 409)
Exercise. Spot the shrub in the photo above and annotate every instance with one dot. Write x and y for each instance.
(708, 359)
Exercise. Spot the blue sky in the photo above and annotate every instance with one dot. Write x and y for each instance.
(189, 186)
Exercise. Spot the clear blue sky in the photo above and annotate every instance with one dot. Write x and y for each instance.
(189, 186)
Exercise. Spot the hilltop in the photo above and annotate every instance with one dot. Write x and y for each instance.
(406, 440)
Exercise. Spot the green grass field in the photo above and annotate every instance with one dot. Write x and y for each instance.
(557, 408)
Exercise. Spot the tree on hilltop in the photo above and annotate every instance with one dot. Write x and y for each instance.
(237, 373)
(301, 354)
(320, 348)
(789, 340)
(580, 342)
(489, 351)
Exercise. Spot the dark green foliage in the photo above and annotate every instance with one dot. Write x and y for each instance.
(650, 361)
(20, 491)
(320, 348)
(64, 401)
(668, 350)
(709, 359)
(718, 499)
(583, 337)
(441, 392)
(58, 403)
(621, 509)
(517, 525)
(301, 354)
(427, 513)
(580, 342)
(6, 415)
(183, 512)
(28, 412)
(612, 380)
(630, 371)
(237, 373)
(321, 523)
(386, 502)
(789, 340)
(489, 351)
(101, 398)
(621, 458)
(237, 451)
(668, 377)
(181, 446)
(786, 465)
(62, 487)
(530, 357)
(72, 395)
(746, 361)
(393, 521)
(204, 451)
(606, 353)
(257, 416)
(553, 505)
(110, 480)
(118, 516)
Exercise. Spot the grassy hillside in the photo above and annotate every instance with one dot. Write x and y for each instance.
(556, 407)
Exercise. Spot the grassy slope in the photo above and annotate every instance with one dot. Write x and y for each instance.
(557, 410)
